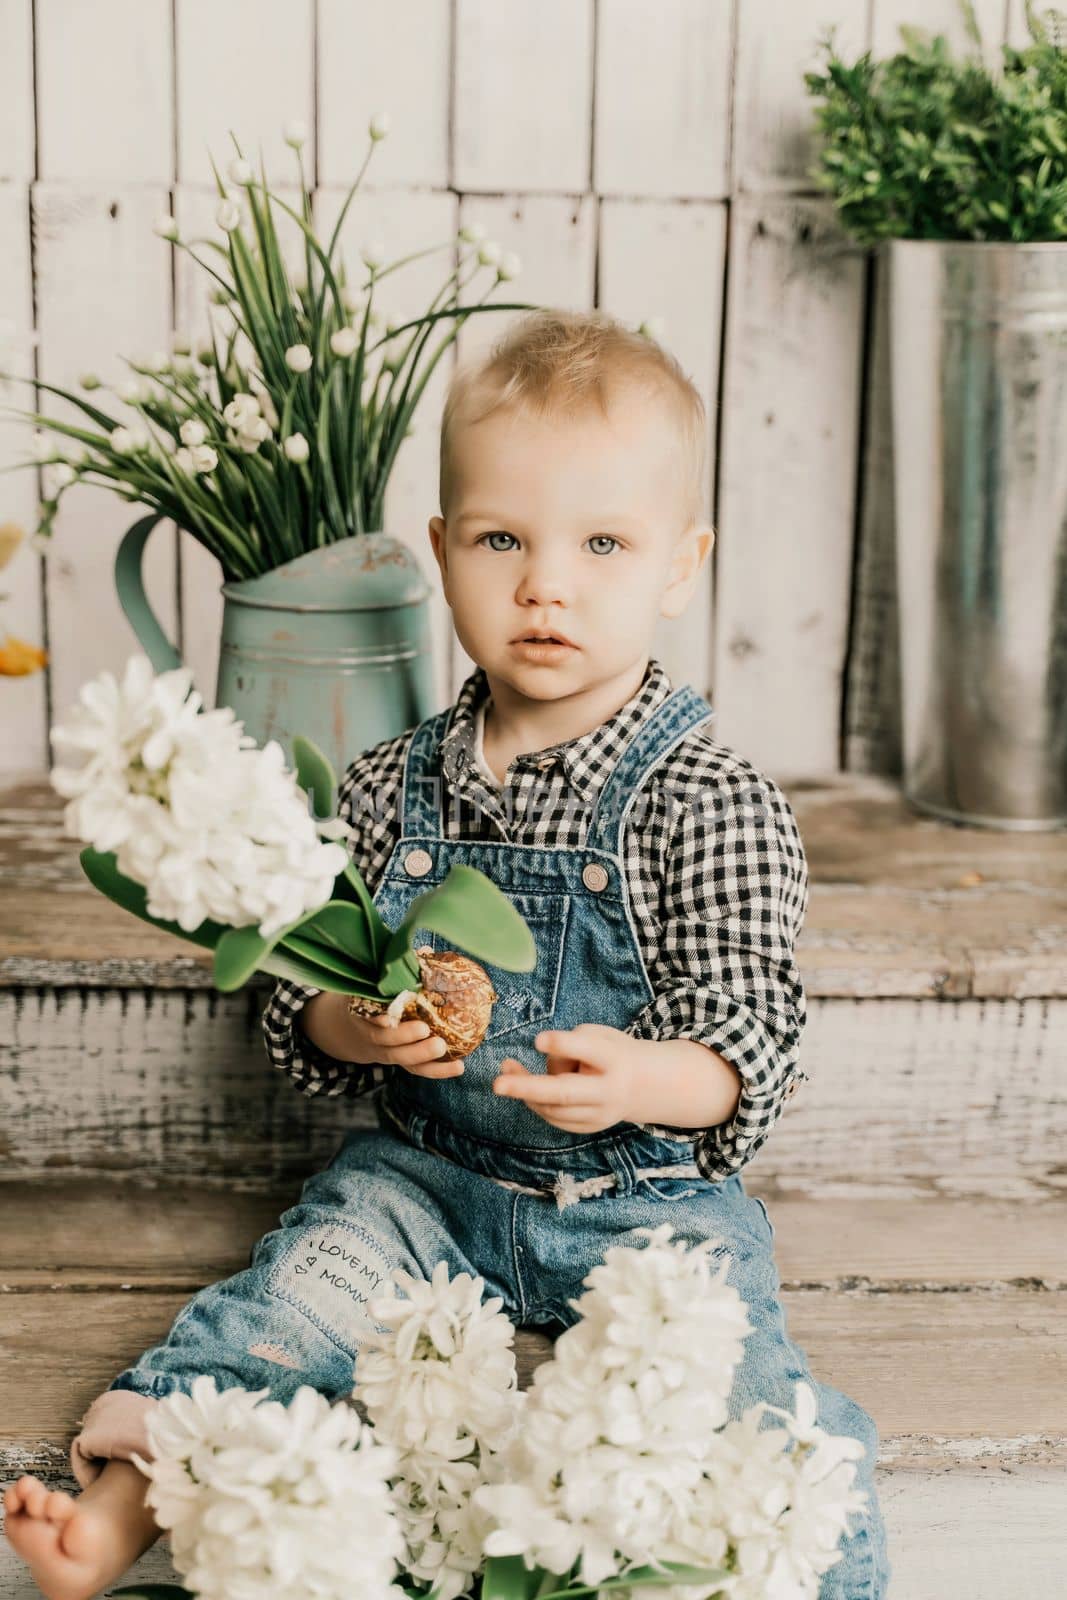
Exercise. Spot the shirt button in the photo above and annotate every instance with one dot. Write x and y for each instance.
(595, 877)
(418, 863)
(793, 1087)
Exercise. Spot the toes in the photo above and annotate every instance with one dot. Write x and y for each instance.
(35, 1497)
(59, 1505)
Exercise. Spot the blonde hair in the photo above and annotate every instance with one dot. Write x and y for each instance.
(553, 361)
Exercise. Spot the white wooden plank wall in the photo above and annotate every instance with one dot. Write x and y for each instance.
(651, 160)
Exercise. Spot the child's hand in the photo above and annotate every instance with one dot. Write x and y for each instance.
(409, 1044)
(594, 1073)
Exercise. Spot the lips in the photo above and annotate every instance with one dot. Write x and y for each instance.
(542, 638)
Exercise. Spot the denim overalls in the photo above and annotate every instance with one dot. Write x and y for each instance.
(456, 1173)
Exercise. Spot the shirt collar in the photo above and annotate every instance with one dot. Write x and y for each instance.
(587, 759)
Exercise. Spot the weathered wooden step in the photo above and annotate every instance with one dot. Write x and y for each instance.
(934, 959)
(945, 1319)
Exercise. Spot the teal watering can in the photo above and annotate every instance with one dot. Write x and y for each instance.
(334, 645)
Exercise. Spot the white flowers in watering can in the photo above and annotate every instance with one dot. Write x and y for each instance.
(617, 1469)
(278, 433)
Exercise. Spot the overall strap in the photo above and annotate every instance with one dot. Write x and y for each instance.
(420, 801)
(657, 736)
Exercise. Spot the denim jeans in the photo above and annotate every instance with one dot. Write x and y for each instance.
(409, 1199)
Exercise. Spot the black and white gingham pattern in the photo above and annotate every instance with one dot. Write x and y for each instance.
(716, 874)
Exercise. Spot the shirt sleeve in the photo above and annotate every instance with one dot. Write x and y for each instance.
(735, 897)
(367, 799)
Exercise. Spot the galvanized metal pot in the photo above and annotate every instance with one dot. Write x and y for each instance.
(979, 380)
(334, 645)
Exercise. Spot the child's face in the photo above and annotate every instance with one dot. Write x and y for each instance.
(575, 526)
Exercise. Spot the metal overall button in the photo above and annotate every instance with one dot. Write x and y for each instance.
(595, 877)
(417, 863)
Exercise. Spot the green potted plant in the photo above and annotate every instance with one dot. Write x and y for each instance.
(272, 443)
(960, 174)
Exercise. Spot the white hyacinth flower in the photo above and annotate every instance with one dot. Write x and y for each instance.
(183, 458)
(296, 447)
(181, 344)
(509, 266)
(89, 380)
(122, 440)
(298, 358)
(205, 459)
(652, 327)
(266, 1499)
(489, 253)
(472, 232)
(228, 215)
(345, 342)
(166, 226)
(373, 253)
(192, 431)
(438, 1382)
(627, 1455)
(211, 826)
(295, 133)
(239, 172)
(378, 126)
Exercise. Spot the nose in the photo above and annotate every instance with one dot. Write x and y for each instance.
(544, 582)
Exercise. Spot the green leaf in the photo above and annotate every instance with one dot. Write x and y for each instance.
(469, 910)
(327, 956)
(508, 1578)
(241, 951)
(101, 869)
(315, 774)
(352, 878)
(347, 927)
(643, 1577)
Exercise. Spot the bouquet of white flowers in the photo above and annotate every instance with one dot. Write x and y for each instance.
(617, 1470)
(191, 826)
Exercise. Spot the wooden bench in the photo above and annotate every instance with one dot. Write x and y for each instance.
(916, 1184)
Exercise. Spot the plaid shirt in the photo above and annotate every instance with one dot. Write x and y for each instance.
(715, 871)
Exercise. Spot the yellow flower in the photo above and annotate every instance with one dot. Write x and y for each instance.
(11, 536)
(17, 658)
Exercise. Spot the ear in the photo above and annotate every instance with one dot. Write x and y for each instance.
(690, 553)
(437, 541)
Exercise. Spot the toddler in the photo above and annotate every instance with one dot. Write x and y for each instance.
(628, 1079)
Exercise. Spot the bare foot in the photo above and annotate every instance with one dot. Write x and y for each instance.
(74, 1548)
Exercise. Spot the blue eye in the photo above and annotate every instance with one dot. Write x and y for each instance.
(499, 533)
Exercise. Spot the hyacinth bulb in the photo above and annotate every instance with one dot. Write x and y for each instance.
(454, 999)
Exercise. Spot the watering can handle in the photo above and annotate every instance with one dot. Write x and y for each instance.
(129, 583)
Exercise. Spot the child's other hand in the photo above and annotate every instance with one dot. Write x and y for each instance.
(593, 1074)
(409, 1044)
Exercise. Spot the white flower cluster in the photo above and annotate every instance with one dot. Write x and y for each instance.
(440, 1386)
(247, 424)
(211, 825)
(259, 1496)
(623, 1459)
